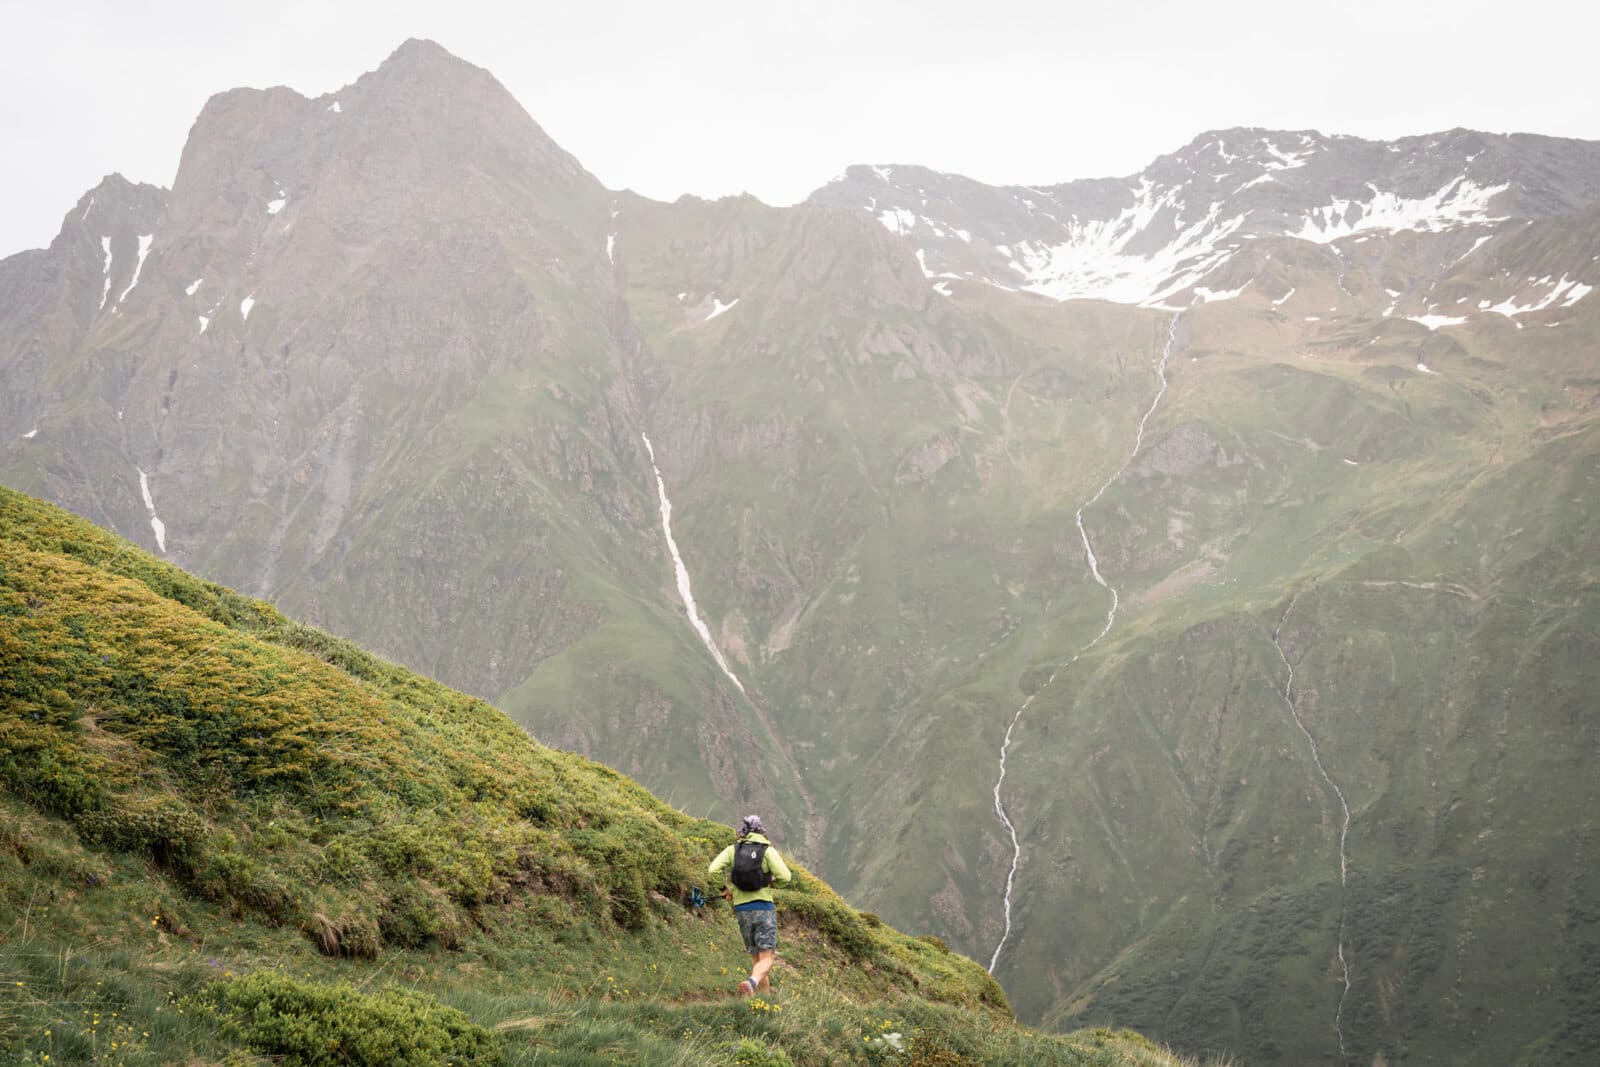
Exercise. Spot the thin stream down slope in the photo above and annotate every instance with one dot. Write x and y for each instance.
(1344, 826)
(1111, 618)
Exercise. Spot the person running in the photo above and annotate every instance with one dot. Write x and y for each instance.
(753, 865)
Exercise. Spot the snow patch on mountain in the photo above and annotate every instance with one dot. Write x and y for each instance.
(1284, 297)
(718, 307)
(105, 244)
(1096, 262)
(245, 305)
(204, 322)
(1570, 288)
(31, 434)
(898, 220)
(1461, 202)
(1479, 243)
(1433, 322)
(193, 286)
(144, 250)
(922, 262)
(335, 108)
(1282, 160)
(276, 205)
(1211, 296)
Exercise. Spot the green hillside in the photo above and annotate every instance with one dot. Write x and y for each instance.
(228, 837)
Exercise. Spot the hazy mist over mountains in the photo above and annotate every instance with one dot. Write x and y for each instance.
(1243, 513)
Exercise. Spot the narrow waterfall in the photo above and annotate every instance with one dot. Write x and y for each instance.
(1344, 825)
(684, 589)
(1111, 619)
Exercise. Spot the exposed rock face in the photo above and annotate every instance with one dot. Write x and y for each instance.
(51, 299)
(386, 356)
(1190, 447)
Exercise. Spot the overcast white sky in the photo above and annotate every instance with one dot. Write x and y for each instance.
(774, 97)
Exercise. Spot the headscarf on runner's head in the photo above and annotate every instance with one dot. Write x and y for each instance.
(751, 824)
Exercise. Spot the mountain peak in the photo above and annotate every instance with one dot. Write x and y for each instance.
(114, 205)
(429, 89)
(422, 57)
(421, 66)
(422, 46)
(115, 187)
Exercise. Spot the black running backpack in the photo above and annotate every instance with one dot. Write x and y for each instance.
(748, 874)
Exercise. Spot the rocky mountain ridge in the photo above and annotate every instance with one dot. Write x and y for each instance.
(1186, 229)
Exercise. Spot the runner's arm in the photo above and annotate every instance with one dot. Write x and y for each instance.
(723, 861)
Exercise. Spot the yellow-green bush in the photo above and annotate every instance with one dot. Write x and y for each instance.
(753, 1052)
(308, 1024)
(836, 920)
(163, 826)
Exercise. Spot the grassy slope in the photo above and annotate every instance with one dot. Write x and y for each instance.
(195, 789)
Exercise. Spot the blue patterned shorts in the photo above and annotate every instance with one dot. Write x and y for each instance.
(759, 928)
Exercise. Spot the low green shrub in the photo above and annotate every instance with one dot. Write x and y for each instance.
(224, 874)
(353, 934)
(754, 1052)
(162, 826)
(307, 1024)
(417, 916)
(634, 856)
(836, 920)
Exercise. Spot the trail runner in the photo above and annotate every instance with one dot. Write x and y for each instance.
(753, 865)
